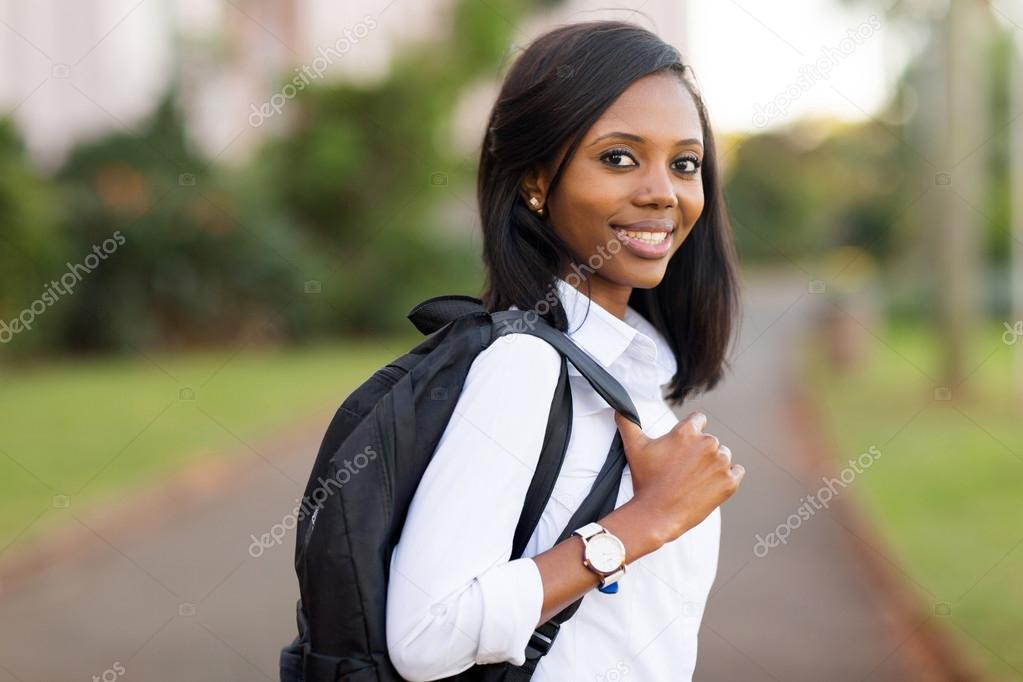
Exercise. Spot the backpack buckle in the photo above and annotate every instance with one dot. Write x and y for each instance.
(542, 639)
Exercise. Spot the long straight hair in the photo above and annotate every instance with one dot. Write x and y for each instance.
(552, 94)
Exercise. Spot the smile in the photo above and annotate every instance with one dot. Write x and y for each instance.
(648, 244)
(647, 237)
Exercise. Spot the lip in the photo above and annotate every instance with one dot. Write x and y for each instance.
(641, 248)
(648, 226)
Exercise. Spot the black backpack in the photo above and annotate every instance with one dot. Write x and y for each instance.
(385, 433)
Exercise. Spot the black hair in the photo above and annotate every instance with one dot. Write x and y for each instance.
(553, 93)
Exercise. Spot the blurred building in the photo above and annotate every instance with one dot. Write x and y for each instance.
(75, 70)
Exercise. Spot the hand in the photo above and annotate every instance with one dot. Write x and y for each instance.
(681, 477)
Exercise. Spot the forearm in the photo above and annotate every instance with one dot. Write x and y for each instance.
(564, 576)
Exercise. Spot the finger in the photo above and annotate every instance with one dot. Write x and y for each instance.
(739, 471)
(726, 451)
(698, 420)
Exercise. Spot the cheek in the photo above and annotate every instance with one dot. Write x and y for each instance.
(585, 204)
(692, 205)
(594, 196)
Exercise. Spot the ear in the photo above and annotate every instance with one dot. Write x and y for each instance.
(534, 184)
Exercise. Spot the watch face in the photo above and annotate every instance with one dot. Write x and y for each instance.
(605, 553)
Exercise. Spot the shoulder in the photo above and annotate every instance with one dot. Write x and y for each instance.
(520, 361)
(502, 407)
(513, 381)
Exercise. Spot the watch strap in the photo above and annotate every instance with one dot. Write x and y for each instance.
(589, 530)
(612, 578)
(609, 584)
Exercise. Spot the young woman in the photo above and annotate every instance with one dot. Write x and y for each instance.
(602, 211)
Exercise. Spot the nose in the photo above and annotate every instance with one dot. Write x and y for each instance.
(657, 189)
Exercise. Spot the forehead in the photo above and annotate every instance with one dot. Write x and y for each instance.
(657, 107)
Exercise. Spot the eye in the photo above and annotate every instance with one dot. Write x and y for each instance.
(612, 158)
(693, 159)
(616, 153)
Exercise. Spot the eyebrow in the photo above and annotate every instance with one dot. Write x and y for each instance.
(641, 140)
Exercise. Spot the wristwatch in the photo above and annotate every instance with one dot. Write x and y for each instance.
(604, 554)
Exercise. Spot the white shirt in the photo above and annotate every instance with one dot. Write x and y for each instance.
(454, 599)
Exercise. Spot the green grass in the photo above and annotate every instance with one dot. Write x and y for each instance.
(91, 430)
(947, 491)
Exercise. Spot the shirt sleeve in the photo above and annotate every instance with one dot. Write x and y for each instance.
(453, 597)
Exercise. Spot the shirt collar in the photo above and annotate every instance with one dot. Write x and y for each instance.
(649, 362)
(607, 338)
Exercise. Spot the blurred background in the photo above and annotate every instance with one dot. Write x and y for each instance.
(215, 215)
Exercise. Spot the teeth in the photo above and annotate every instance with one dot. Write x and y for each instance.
(649, 237)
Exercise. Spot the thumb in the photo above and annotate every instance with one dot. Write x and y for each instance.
(630, 432)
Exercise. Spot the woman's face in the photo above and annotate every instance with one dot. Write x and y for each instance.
(633, 189)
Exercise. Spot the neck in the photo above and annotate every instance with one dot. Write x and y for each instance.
(613, 298)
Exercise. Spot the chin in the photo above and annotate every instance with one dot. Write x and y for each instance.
(647, 277)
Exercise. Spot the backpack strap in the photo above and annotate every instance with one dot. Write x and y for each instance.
(433, 313)
(603, 494)
(552, 456)
(598, 503)
(514, 322)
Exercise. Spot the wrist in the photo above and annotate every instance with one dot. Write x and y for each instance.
(637, 530)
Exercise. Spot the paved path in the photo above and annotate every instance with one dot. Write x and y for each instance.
(186, 601)
(805, 611)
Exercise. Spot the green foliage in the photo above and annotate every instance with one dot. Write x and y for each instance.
(998, 235)
(340, 225)
(195, 265)
(789, 200)
(366, 173)
(31, 245)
